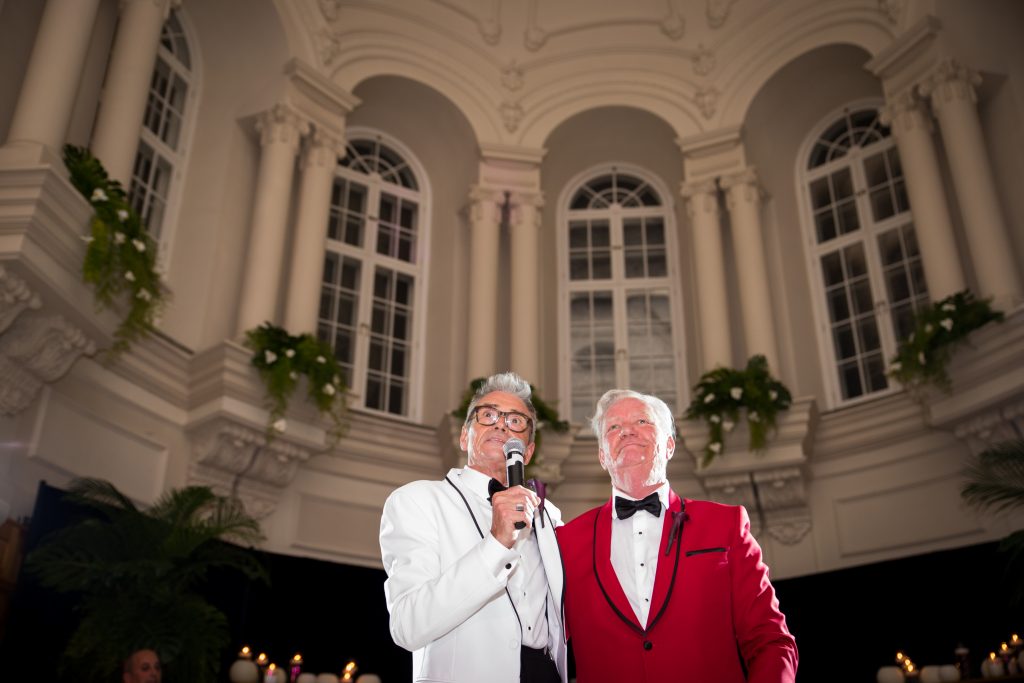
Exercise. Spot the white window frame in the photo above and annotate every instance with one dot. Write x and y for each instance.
(369, 259)
(867, 235)
(618, 282)
(178, 159)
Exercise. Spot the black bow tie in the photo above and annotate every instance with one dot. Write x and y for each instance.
(494, 486)
(626, 508)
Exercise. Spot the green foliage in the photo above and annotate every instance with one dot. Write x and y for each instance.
(722, 393)
(922, 358)
(137, 572)
(995, 481)
(120, 261)
(547, 417)
(281, 358)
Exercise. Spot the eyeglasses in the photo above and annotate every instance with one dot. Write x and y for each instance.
(514, 420)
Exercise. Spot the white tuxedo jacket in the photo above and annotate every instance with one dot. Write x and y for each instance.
(447, 604)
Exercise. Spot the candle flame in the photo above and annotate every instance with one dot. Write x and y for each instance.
(899, 656)
(262, 658)
(350, 667)
(1003, 647)
(910, 667)
(991, 655)
(297, 658)
(272, 667)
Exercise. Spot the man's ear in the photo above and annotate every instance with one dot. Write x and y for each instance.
(670, 448)
(602, 458)
(464, 438)
(529, 453)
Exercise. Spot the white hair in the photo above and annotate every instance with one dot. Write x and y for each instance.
(659, 410)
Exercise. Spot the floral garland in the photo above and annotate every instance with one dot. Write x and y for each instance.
(280, 358)
(547, 418)
(923, 357)
(722, 392)
(120, 260)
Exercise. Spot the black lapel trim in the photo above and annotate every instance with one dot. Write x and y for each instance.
(479, 531)
(672, 584)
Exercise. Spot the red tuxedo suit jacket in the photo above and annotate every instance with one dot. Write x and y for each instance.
(714, 616)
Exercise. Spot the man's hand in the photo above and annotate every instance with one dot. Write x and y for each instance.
(508, 507)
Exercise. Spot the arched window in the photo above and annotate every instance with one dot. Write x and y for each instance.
(864, 255)
(373, 273)
(620, 327)
(161, 150)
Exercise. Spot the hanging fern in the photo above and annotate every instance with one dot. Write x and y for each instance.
(120, 260)
(721, 395)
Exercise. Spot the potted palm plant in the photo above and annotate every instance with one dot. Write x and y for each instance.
(136, 574)
(995, 481)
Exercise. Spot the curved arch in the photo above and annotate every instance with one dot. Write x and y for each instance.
(373, 56)
(816, 131)
(556, 104)
(295, 20)
(757, 63)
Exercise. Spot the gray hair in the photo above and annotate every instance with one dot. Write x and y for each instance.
(659, 410)
(509, 383)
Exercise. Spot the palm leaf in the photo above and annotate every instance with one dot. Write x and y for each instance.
(996, 479)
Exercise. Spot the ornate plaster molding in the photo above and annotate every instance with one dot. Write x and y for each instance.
(34, 351)
(511, 115)
(718, 12)
(892, 9)
(672, 24)
(15, 298)
(233, 457)
(706, 100)
(703, 60)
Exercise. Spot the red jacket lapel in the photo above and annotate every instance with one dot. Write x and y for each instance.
(666, 564)
(603, 564)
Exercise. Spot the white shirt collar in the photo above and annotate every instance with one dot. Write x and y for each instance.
(475, 481)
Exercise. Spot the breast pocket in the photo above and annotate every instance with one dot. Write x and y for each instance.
(702, 551)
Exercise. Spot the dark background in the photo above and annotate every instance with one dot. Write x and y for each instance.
(847, 623)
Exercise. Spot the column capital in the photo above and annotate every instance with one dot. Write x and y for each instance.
(950, 82)
(281, 123)
(905, 113)
(485, 204)
(742, 186)
(700, 196)
(690, 189)
(525, 208)
(323, 148)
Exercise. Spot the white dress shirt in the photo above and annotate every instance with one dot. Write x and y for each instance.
(527, 583)
(634, 551)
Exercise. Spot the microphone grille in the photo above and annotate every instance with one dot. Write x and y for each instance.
(514, 445)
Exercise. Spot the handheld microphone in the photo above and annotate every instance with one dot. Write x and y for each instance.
(514, 449)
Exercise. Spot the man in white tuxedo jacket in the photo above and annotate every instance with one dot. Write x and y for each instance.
(475, 599)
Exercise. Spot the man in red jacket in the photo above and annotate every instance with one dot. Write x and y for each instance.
(664, 589)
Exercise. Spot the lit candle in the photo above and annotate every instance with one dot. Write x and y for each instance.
(349, 671)
(271, 676)
(261, 660)
(246, 653)
(296, 667)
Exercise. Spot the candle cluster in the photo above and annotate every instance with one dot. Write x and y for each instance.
(262, 670)
(1008, 660)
